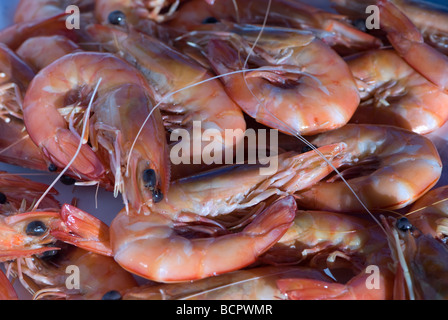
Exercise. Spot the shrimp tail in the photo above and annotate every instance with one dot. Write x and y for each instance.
(82, 230)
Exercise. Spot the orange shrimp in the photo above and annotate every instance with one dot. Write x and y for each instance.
(39, 52)
(185, 91)
(64, 88)
(148, 245)
(7, 291)
(249, 284)
(394, 93)
(429, 214)
(386, 167)
(29, 10)
(295, 84)
(419, 261)
(283, 13)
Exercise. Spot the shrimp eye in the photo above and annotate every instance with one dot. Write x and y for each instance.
(2, 198)
(117, 18)
(149, 178)
(52, 167)
(68, 181)
(36, 228)
(48, 254)
(210, 20)
(403, 224)
(157, 196)
(112, 295)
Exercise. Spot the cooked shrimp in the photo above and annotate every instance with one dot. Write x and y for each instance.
(185, 90)
(249, 284)
(13, 36)
(15, 76)
(388, 168)
(149, 246)
(394, 93)
(283, 13)
(98, 275)
(430, 21)
(301, 85)
(409, 43)
(29, 10)
(7, 291)
(340, 236)
(39, 52)
(430, 213)
(18, 193)
(64, 88)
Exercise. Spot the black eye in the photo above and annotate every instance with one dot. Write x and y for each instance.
(52, 167)
(117, 18)
(404, 224)
(149, 178)
(2, 198)
(112, 295)
(360, 24)
(210, 20)
(36, 228)
(157, 196)
(68, 181)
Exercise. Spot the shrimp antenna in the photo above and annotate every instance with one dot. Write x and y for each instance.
(81, 142)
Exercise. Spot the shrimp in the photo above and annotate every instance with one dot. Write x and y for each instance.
(420, 262)
(7, 291)
(296, 83)
(29, 10)
(224, 190)
(98, 274)
(360, 241)
(13, 36)
(15, 144)
(185, 91)
(393, 93)
(389, 168)
(17, 193)
(58, 138)
(39, 52)
(429, 214)
(249, 284)
(135, 10)
(431, 22)
(281, 13)
(409, 43)
(15, 76)
(317, 233)
(149, 246)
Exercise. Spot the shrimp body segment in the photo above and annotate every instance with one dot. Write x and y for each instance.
(296, 83)
(393, 93)
(387, 167)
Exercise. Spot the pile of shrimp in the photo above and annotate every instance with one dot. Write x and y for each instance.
(94, 95)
